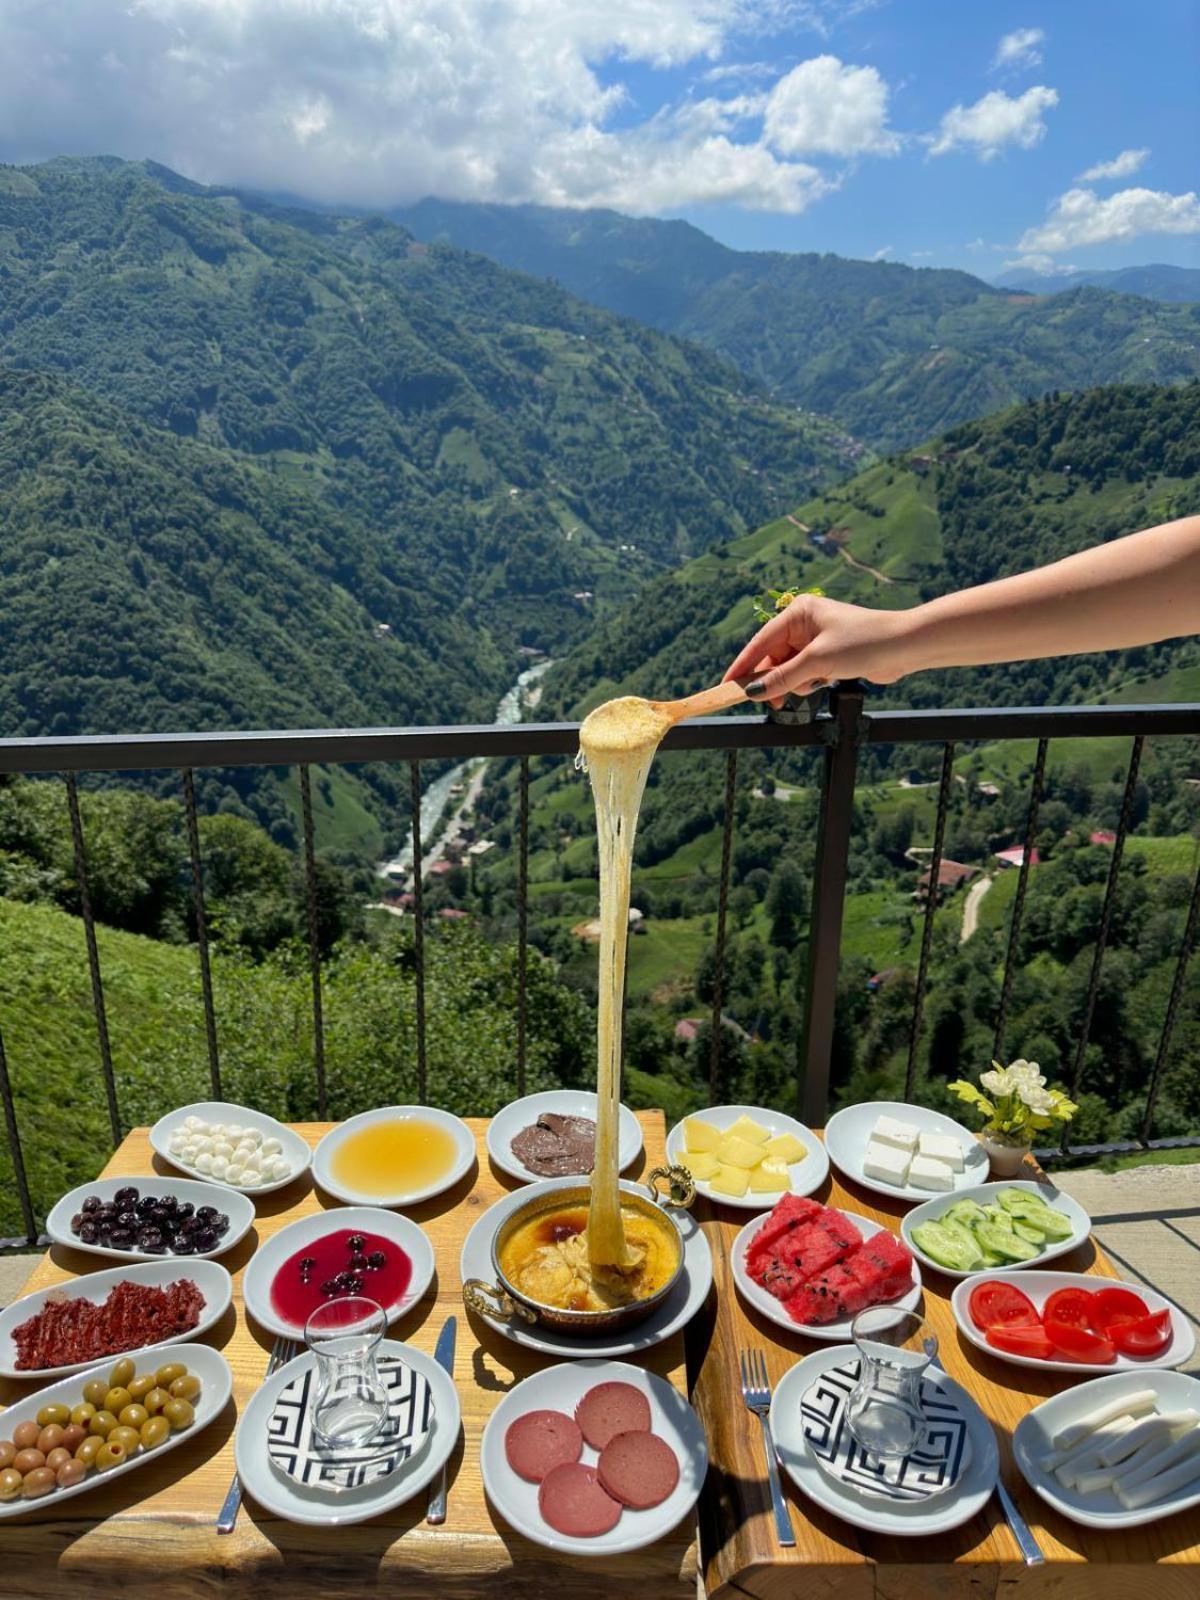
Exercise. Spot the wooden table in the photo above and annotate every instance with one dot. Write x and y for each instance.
(834, 1561)
(151, 1533)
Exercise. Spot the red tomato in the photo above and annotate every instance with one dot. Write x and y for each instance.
(1073, 1306)
(996, 1304)
(1148, 1336)
(1110, 1306)
(1021, 1341)
(1078, 1344)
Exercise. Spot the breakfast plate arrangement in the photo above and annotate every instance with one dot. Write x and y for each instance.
(206, 1139)
(232, 1216)
(548, 1112)
(859, 1142)
(394, 1156)
(773, 1150)
(1014, 1224)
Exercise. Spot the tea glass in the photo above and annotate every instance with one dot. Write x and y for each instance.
(350, 1403)
(895, 1349)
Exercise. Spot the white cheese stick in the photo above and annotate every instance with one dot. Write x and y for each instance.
(1184, 1476)
(1089, 1446)
(1093, 1482)
(1143, 1432)
(1132, 1404)
(1089, 1456)
(1180, 1449)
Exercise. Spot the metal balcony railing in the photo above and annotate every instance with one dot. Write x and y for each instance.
(840, 731)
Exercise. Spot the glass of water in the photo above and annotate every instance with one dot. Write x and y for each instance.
(349, 1403)
(895, 1349)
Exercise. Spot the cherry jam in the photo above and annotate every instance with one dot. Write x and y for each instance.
(321, 1270)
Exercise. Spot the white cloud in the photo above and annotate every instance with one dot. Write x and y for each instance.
(1122, 166)
(994, 121)
(1045, 266)
(1021, 48)
(919, 255)
(823, 107)
(884, 252)
(381, 101)
(976, 244)
(1081, 217)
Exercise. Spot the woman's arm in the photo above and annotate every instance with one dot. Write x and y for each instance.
(1136, 590)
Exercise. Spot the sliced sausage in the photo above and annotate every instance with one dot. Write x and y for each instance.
(638, 1469)
(573, 1502)
(540, 1441)
(609, 1409)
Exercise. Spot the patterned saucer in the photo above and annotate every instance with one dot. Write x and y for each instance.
(933, 1468)
(294, 1451)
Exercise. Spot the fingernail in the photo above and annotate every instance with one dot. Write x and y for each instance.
(755, 689)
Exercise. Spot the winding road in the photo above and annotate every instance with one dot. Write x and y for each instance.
(974, 900)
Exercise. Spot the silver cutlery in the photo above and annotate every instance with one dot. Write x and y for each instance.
(282, 1351)
(756, 1392)
(444, 1356)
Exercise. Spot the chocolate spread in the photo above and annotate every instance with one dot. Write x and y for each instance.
(556, 1146)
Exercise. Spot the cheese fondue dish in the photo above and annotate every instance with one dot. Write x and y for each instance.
(616, 746)
(546, 1258)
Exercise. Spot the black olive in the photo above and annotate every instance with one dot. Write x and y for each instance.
(127, 1219)
(221, 1223)
(77, 1222)
(184, 1245)
(89, 1233)
(205, 1240)
(121, 1238)
(184, 1210)
(206, 1213)
(126, 1197)
(92, 1203)
(144, 1205)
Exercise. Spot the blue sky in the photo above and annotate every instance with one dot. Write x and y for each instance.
(949, 132)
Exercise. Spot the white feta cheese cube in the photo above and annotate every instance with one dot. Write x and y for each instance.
(942, 1147)
(928, 1173)
(889, 1130)
(885, 1163)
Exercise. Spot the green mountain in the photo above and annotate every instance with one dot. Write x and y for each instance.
(1153, 282)
(895, 354)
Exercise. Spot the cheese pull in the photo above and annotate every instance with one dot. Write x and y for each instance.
(1133, 1405)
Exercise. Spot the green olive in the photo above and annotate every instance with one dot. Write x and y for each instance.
(28, 1460)
(141, 1385)
(54, 1413)
(156, 1431)
(37, 1483)
(58, 1457)
(7, 1451)
(51, 1436)
(94, 1392)
(127, 1438)
(25, 1435)
(121, 1373)
(116, 1400)
(185, 1388)
(132, 1415)
(155, 1399)
(179, 1413)
(166, 1375)
(73, 1436)
(102, 1424)
(10, 1483)
(109, 1455)
(83, 1413)
(71, 1473)
(89, 1450)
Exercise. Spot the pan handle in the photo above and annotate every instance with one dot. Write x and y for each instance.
(681, 1186)
(480, 1296)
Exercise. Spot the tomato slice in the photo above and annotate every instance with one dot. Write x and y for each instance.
(996, 1304)
(1018, 1340)
(1148, 1336)
(1110, 1306)
(1073, 1306)
(1078, 1344)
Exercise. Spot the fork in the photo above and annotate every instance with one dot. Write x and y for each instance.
(756, 1392)
(282, 1351)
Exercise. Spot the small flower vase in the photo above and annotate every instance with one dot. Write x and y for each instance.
(1006, 1151)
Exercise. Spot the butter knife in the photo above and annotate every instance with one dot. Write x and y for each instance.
(444, 1356)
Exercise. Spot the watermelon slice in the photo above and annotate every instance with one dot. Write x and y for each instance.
(883, 1253)
(879, 1270)
(827, 1297)
(790, 1211)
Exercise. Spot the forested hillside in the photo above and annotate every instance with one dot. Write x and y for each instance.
(1158, 281)
(895, 354)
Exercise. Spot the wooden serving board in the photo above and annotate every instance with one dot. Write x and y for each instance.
(152, 1533)
(832, 1560)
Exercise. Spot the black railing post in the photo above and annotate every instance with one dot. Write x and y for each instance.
(93, 952)
(522, 921)
(718, 999)
(418, 889)
(16, 1154)
(932, 895)
(314, 938)
(1018, 911)
(206, 989)
(1164, 1042)
(841, 735)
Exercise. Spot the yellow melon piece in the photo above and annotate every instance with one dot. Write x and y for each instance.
(768, 1178)
(701, 1163)
(699, 1135)
(787, 1147)
(746, 1128)
(737, 1152)
(730, 1180)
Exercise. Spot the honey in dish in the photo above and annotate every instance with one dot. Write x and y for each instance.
(546, 1258)
(394, 1157)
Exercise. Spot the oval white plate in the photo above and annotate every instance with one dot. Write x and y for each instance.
(847, 1133)
(1039, 1286)
(294, 1147)
(982, 1193)
(216, 1387)
(236, 1207)
(948, 1510)
(678, 1309)
(213, 1282)
(807, 1175)
(561, 1388)
(1101, 1509)
(464, 1158)
(293, 1502)
(269, 1257)
(520, 1114)
(771, 1308)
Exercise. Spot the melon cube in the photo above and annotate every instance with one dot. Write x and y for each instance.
(730, 1180)
(700, 1135)
(746, 1128)
(769, 1178)
(787, 1147)
(738, 1152)
(702, 1163)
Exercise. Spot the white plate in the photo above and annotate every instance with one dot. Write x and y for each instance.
(216, 1387)
(678, 1309)
(211, 1279)
(847, 1133)
(294, 1147)
(269, 1257)
(768, 1306)
(948, 1510)
(1039, 1286)
(287, 1499)
(561, 1388)
(982, 1193)
(1101, 1509)
(464, 1158)
(520, 1114)
(807, 1175)
(235, 1206)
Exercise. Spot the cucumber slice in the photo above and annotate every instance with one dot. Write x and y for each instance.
(1003, 1243)
(944, 1247)
(965, 1235)
(997, 1217)
(1017, 1200)
(1026, 1231)
(1032, 1209)
(1056, 1225)
(967, 1211)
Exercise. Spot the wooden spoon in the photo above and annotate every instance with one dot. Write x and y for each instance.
(705, 704)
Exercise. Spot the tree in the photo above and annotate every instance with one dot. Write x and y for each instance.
(787, 904)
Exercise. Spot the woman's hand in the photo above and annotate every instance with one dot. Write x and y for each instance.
(816, 640)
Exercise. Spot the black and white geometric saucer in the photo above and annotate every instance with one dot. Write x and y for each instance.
(934, 1467)
(294, 1451)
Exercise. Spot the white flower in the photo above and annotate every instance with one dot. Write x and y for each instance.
(1036, 1098)
(1027, 1072)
